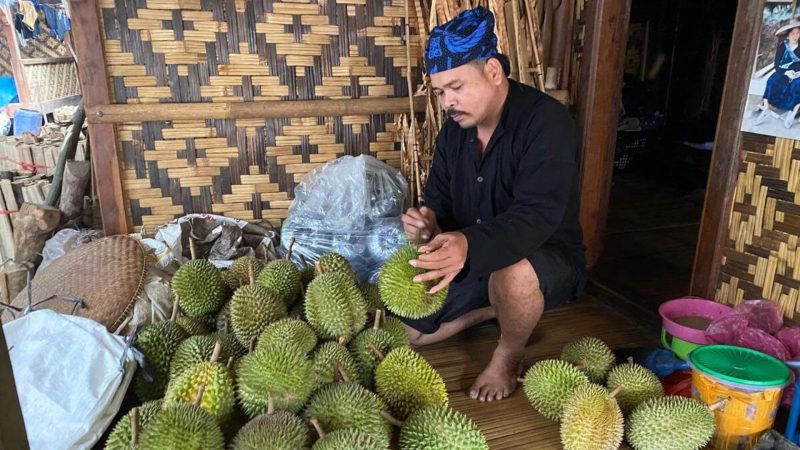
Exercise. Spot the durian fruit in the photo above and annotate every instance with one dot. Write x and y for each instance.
(346, 439)
(334, 262)
(273, 431)
(289, 331)
(401, 294)
(182, 426)
(229, 279)
(372, 296)
(333, 361)
(396, 329)
(192, 327)
(591, 420)
(121, 436)
(591, 355)
(344, 405)
(199, 288)
(298, 311)
(241, 268)
(437, 428)
(284, 371)
(370, 343)
(230, 343)
(406, 382)
(197, 349)
(282, 276)
(670, 423)
(253, 307)
(307, 272)
(549, 383)
(158, 343)
(638, 385)
(222, 320)
(335, 307)
(216, 380)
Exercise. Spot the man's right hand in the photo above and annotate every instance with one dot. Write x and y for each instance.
(419, 224)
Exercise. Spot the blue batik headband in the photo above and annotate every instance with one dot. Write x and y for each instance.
(467, 37)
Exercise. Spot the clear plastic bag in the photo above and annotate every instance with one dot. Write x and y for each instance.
(790, 336)
(763, 314)
(758, 339)
(351, 206)
(725, 329)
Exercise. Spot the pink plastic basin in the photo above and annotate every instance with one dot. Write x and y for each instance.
(690, 307)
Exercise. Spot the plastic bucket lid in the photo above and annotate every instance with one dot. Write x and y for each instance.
(742, 366)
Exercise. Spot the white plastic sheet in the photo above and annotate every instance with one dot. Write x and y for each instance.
(71, 377)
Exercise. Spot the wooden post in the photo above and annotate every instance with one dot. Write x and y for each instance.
(725, 157)
(76, 179)
(598, 110)
(102, 137)
(16, 59)
(12, 427)
(34, 225)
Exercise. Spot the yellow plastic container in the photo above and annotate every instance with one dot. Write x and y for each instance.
(752, 384)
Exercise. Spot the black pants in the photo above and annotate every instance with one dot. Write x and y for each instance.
(561, 280)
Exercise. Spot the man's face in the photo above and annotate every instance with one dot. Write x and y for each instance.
(465, 92)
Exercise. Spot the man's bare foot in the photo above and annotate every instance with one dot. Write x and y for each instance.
(499, 379)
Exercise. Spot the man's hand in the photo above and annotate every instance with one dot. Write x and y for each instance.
(419, 224)
(444, 257)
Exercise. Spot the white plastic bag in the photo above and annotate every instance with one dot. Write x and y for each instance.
(351, 206)
(71, 377)
(64, 241)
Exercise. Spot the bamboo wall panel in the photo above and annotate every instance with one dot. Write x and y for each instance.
(5, 57)
(180, 51)
(761, 256)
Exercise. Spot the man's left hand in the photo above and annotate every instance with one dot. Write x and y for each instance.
(443, 257)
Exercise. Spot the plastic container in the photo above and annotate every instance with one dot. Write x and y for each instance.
(752, 383)
(27, 120)
(684, 321)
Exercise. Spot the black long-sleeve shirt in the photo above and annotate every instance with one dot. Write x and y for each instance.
(780, 51)
(522, 194)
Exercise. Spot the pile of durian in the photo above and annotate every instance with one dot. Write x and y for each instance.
(598, 403)
(272, 356)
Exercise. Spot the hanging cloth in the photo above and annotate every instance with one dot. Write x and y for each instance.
(29, 14)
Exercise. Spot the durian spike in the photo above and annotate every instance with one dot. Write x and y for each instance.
(342, 340)
(377, 352)
(230, 363)
(377, 323)
(616, 391)
(719, 404)
(251, 272)
(289, 252)
(200, 392)
(174, 309)
(337, 368)
(192, 249)
(134, 427)
(318, 427)
(270, 403)
(318, 267)
(391, 419)
(216, 352)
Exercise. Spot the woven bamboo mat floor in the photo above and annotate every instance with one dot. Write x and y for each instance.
(512, 423)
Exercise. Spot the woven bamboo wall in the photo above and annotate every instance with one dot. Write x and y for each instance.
(177, 51)
(761, 257)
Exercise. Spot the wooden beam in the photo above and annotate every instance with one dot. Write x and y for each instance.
(12, 426)
(100, 114)
(598, 110)
(16, 66)
(88, 44)
(725, 157)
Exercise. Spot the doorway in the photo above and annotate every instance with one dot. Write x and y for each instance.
(674, 72)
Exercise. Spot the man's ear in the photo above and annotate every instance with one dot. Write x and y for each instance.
(493, 70)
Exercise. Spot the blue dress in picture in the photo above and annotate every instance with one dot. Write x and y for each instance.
(781, 92)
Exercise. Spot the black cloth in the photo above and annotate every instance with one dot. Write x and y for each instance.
(519, 200)
(780, 52)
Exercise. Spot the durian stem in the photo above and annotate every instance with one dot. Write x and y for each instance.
(289, 252)
(174, 309)
(134, 427)
(520, 380)
(192, 249)
(580, 366)
(253, 345)
(251, 272)
(318, 427)
(376, 352)
(337, 368)
(417, 236)
(616, 391)
(199, 398)
(303, 260)
(342, 340)
(230, 363)
(216, 352)
(270, 403)
(391, 419)
(630, 359)
(719, 404)
(318, 267)
(377, 323)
